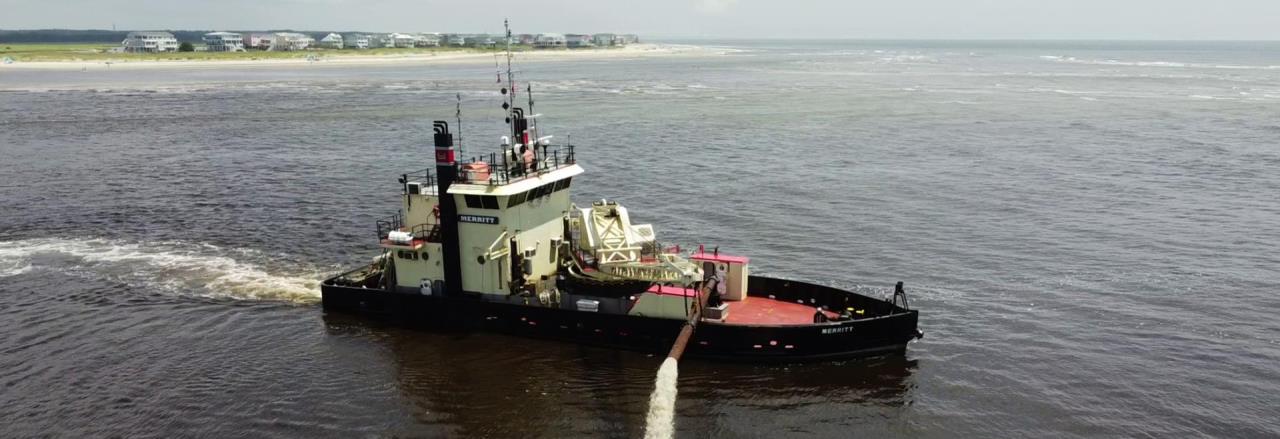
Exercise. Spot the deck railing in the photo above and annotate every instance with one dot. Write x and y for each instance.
(509, 166)
(428, 231)
(423, 176)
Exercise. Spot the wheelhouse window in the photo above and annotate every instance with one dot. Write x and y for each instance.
(473, 201)
(517, 199)
(481, 201)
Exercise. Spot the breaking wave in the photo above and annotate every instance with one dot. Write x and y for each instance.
(180, 267)
(1115, 62)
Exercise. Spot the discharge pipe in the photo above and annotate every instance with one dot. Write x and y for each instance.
(660, 423)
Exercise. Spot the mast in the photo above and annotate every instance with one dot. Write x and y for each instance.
(511, 87)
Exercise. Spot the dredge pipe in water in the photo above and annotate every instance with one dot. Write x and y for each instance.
(660, 423)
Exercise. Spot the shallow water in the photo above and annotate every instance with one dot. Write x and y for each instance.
(1089, 230)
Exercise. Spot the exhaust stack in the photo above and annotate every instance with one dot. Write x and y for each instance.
(446, 174)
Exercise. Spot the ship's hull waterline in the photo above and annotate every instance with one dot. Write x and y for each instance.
(887, 333)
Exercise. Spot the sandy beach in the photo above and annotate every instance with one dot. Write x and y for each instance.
(346, 59)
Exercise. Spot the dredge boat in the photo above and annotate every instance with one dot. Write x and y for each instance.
(495, 243)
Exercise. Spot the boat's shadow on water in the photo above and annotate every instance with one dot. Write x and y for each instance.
(480, 384)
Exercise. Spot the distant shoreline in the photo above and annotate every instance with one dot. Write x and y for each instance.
(355, 58)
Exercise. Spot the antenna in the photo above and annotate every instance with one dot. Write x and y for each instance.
(529, 93)
(458, 114)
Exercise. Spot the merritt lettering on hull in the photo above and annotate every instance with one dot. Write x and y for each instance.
(478, 219)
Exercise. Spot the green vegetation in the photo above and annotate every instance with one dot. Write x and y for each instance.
(186, 47)
(25, 52)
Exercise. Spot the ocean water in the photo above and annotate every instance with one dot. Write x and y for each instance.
(1090, 230)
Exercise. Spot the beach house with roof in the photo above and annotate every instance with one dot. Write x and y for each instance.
(331, 41)
(426, 40)
(223, 42)
(258, 40)
(602, 39)
(549, 41)
(355, 41)
(149, 41)
(577, 41)
(481, 40)
(290, 41)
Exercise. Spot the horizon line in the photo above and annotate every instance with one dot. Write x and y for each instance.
(652, 37)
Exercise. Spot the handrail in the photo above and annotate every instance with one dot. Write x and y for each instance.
(427, 231)
(420, 176)
(507, 167)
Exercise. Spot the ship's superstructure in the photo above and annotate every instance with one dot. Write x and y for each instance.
(495, 241)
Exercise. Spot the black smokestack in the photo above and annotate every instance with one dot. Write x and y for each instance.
(446, 173)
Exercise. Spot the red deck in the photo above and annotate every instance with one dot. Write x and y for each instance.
(766, 311)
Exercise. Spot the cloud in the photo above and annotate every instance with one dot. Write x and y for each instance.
(714, 6)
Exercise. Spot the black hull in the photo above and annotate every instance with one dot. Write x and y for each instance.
(888, 333)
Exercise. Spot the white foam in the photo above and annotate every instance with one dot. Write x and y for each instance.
(660, 423)
(179, 267)
(1172, 64)
(13, 267)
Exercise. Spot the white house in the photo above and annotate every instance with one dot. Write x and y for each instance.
(287, 41)
(150, 42)
(259, 40)
(331, 41)
(480, 41)
(426, 40)
(402, 40)
(456, 40)
(223, 42)
(355, 41)
(577, 40)
(602, 39)
(549, 41)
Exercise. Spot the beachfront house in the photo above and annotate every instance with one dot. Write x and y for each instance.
(549, 41)
(481, 41)
(602, 39)
(455, 40)
(426, 40)
(630, 39)
(223, 42)
(290, 41)
(145, 42)
(525, 39)
(258, 40)
(577, 40)
(331, 41)
(403, 40)
(355, 41)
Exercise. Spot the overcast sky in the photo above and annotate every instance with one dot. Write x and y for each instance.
(944, 19)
